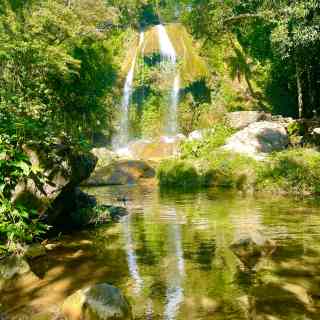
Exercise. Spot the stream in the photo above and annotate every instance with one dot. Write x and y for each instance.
(171, 257)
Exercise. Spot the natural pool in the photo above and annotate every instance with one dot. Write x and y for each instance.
(171, 257)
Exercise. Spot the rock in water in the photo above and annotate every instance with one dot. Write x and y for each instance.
(259, 139)
(10, 268)
(249, 250)
(242, 119)
(99, 302)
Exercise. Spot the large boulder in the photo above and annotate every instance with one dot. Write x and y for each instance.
(99, 302)
(104, 155)
(242, 119)
(156, 149)
(64, 170)
(121, 173)
(258, 139)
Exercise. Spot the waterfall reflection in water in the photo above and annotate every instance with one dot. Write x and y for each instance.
(176, 272)
(131, 257)
(174, 250)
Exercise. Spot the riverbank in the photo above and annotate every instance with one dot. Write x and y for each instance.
(294, 171)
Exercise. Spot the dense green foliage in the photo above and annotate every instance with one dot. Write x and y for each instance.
(177, 173)
(57, 78)
(274, 44)
(60, 83)
(293, 171)
(213, 138)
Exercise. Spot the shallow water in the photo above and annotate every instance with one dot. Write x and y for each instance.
(171, 257)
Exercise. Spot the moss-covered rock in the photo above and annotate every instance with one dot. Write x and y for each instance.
(34, 251)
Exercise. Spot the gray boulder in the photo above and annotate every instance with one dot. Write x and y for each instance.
(258, 139)
(242, 119)
(99, 302)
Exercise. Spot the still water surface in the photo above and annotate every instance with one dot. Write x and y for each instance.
(171, 257)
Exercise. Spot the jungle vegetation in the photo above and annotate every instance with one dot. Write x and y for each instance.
(60, 73)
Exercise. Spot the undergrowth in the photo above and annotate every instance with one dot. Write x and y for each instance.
(293, 171)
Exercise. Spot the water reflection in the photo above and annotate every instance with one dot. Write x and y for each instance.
(175, 252)
(175, 269)
(131, 256)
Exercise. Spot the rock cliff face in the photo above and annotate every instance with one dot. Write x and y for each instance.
(55, 195)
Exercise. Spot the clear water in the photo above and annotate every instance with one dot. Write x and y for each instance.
(171, 256)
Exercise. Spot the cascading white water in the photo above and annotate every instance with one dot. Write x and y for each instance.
(122, 138)
(167, 50)
(168, 54)
(172, 125)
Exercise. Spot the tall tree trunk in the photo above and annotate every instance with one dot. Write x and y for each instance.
(310, 91)
(299, 87)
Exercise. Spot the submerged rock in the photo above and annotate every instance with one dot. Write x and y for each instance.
(121, 173)
(242, 119)
(10, 268)
(259, 139)
(99, 302)
(116, 213)
(250, 250)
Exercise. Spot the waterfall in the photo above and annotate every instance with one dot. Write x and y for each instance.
(172, 116)
(166, 48)
(168, 54)
(122, 138)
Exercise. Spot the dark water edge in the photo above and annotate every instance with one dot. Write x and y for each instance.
(171, 256)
